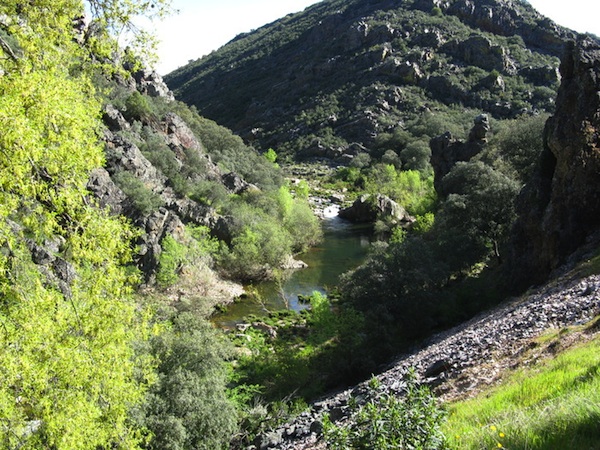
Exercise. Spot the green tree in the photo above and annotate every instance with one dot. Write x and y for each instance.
(188, 406)
(68, 373)
(478, 211)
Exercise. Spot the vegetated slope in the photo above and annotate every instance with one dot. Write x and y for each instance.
(563, 219)
(344, 72)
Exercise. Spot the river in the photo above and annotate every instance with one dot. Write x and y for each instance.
(345, 246)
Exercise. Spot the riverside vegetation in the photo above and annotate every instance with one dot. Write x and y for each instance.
(109, 231)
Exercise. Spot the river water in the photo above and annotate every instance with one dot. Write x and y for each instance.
(344, 247)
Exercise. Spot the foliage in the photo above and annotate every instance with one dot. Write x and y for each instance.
(313, 350)
(516, 147)
(188, 407)
(197, 245)
(410, 188)
(260, 243)
(479, 210)
(385, 421)
(271, 156)
(144, 200)
(68, 372)
(552, 404)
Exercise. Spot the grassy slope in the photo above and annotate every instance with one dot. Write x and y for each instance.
(552, 402)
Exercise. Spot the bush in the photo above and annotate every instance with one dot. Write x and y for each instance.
(143, 199)
(188, 407)
(386, 421)
(137, 107)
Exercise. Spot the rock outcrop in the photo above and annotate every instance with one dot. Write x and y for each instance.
(171, 210)
(560, 208)
(369, 208)
(447, 151)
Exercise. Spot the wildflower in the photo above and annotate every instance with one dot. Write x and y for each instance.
(499, 445)
(501, 434)
(493, 427)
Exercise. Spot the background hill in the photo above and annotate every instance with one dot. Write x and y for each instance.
(341, 77)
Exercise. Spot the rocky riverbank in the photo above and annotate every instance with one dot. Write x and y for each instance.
(463, 360)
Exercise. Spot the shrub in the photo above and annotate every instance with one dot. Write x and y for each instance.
(143, 199)
(386, 421)
(137, 107)
(188, 407)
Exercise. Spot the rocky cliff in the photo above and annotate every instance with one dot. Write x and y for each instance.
(166, 209)
(332, 79)
(560, 208)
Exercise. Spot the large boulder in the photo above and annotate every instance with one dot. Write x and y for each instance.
(368, 208)
(560, 208)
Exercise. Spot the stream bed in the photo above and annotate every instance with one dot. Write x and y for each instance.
(344, 247)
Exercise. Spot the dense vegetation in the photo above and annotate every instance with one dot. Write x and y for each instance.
(69, 374)
(86, 363)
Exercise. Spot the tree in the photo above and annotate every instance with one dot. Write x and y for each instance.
(188, 407)
(68, 372)
(478, 212)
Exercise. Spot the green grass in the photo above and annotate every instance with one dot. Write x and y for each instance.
(552, 405)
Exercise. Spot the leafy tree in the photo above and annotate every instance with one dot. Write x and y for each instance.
(68, 372)
(271, 156)
(188, 406)
(416, 156)
(515, 149)
(479, 211)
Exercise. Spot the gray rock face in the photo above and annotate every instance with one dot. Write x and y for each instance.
(106, 192)
(560, 208)
(479, 51)
(367, 208)
(151, 83)
(122, 155)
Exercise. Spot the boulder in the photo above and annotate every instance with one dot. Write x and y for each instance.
(368, 208)
(446, 151)
(236, 184)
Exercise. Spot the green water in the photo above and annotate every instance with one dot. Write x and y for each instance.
(344, 247)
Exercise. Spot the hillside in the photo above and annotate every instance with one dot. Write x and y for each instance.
(467, 359)
(459, 362)
(333, 80)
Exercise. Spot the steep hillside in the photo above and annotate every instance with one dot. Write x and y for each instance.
(331, 80)
(556, 231)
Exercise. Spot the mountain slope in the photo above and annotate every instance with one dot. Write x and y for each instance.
(343, 72)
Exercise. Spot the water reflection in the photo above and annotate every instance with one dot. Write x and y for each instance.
(344, 247)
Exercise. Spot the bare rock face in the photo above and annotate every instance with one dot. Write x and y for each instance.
(560, 208)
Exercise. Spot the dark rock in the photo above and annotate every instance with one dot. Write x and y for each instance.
(316, 427)
(369, 208)
(436, 368)
(236, 184)
(480, 129)
(560, 207)
(106, 192)
(113, 118)
(446, 151)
